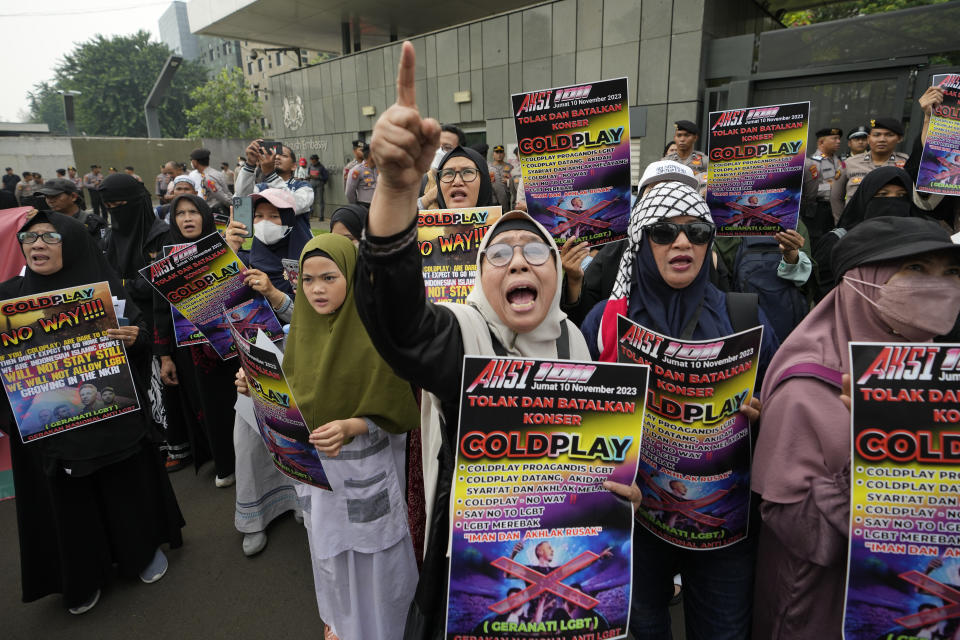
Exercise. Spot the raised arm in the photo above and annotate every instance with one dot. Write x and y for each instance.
(403, 145)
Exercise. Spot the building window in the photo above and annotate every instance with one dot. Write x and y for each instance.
(279, 60)
(259, 64)
(249, 68)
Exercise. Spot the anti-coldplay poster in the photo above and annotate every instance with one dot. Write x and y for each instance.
(282, 427)
(574, 149)
(940, 160)
(695, 458)
(756, 168)
(903, 567)
(201, 280)
(539, 548)
(60, 369)
(184, 331)
(449, 240)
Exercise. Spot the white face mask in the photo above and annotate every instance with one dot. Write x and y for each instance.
(269, 232)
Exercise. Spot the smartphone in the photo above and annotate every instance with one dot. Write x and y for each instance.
(273, 146)
(243, 212)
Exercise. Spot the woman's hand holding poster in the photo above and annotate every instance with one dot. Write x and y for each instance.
(695, 457)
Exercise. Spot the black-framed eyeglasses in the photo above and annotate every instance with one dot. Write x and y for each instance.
(468, 174)
(49, 237)
(501, 253)
(666, 232)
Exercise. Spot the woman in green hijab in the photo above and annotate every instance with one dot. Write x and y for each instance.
(360, 410)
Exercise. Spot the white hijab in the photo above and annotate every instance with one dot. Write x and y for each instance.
(477, 320)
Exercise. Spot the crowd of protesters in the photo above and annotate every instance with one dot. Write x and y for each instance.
(376, 368)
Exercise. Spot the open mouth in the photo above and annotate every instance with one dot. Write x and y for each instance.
(459, 194)
(39, 258)
(522, 297)
(681, 263)
(319, 302)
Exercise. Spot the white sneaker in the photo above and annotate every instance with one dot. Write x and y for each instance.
(156, 569)
(254, 543)
(90, 604)
(225, 482)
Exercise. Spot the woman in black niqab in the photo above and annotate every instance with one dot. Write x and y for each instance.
(96, 495)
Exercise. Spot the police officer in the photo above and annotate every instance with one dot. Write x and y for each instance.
(357, 159)
(501, 169)
(362, 180)
(685, 137)
(885, 135)
(63, 196)
(856, 142)
(820, 171)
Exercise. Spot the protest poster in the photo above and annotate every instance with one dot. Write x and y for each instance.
(539, 548)
(60, 369)
(574, 148)
(291, 271)
(756, 168)
(449, 240)
(940, 161)
(6, 469)
(903, 564)
(281, 426)
(694, 470)
(201, 280)
(185, 333)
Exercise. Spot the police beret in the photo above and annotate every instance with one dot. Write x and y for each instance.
(686, 125)
(859, 132)
(357, 144)
(499, 147)
(829, 131)
(889, 124)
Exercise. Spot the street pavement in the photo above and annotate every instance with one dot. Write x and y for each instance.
(210, 591)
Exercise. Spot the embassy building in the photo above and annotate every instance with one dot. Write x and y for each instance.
(682, 59)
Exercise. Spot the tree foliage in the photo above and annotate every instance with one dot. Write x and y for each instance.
(224, 107)
(115, 76)
(851, 9)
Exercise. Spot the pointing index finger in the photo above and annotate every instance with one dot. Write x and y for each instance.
(406, 90)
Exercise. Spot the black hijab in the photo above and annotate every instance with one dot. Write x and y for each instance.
(268, 257)
(209, 225)
(863, 206)
(485, 195)
(352, 216)
(133, 225)
(88, 448)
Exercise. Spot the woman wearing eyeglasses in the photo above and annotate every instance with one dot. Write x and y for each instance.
(663, 283)
(514, 309)
(97, 495)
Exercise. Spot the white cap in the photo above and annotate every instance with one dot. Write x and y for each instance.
(183, 178)
(668, 170)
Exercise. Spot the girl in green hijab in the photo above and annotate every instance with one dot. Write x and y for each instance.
(359, 410)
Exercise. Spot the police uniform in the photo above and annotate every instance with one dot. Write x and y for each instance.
(858, 166)
(357, 144)
(361, 184)
(697, 160)
(859, 132)
(819, 173)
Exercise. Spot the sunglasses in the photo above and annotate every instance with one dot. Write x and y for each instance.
(468, 175)
(667, 232)
(500, 254)
(49, 237)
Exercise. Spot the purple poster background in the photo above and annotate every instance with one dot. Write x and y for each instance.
(756, 168)
(574, 149)
(903, 571)
(940, 161)
(694, 469)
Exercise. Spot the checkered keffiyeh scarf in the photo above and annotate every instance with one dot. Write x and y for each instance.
(665, 200)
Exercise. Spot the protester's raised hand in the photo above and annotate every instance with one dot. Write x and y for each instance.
(931, 98)
(235, 233)
(403, 143)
